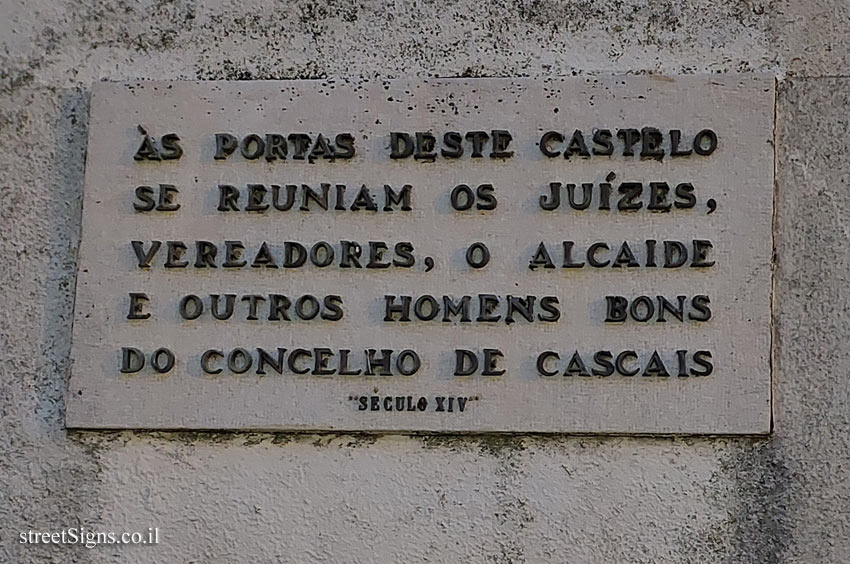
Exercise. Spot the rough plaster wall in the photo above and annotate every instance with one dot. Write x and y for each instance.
(225, 498)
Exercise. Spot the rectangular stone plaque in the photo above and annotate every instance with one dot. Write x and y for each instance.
(579, 255)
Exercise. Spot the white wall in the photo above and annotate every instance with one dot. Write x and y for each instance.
(222, 498)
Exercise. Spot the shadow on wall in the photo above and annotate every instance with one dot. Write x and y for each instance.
(70, 130)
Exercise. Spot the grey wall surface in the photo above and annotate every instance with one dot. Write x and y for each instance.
(222, 498)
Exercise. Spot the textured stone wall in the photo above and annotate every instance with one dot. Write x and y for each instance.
(223, 498)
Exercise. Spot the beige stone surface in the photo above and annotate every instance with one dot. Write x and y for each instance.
(480, 499)
(738, 176)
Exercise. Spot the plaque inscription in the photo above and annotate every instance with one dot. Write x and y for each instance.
(583, 255)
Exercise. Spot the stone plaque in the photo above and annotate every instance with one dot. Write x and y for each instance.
(579, 255)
